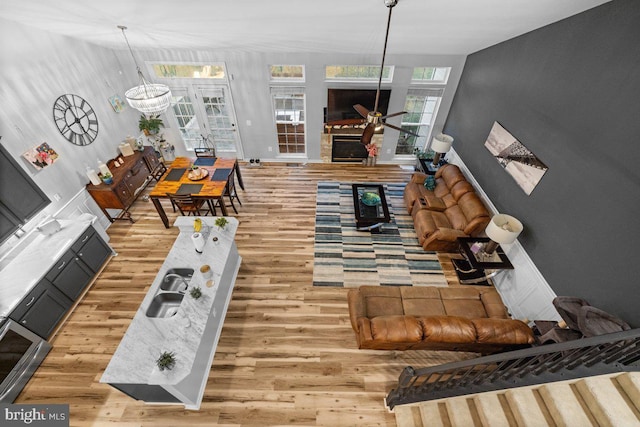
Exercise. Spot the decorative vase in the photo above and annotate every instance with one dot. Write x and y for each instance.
(430, 183)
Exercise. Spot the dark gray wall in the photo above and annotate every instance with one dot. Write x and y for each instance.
(570, 92)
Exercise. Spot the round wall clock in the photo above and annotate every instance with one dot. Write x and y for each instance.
(75, 119)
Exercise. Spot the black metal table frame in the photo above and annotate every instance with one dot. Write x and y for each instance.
(370, 224)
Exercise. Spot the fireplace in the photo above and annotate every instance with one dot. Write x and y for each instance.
(347, 148)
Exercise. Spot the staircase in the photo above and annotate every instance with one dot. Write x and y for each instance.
(605, 400)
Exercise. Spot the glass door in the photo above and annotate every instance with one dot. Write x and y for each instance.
(205, 116)
(219, 119)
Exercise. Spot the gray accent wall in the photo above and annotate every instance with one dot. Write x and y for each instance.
(570, 92)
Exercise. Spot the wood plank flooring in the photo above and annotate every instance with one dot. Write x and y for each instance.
(287, 354)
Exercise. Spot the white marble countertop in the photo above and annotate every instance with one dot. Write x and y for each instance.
(24, 271)
(134, 361)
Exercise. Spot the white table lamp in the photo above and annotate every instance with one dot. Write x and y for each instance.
(440, 144)
(502, 229)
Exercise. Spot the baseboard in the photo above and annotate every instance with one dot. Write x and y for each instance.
(524, 290)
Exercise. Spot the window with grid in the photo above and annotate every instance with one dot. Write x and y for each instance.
(287, 72)
(288, 107)
(430, 74)
(187, 120)
(421, 106)
(364, 73)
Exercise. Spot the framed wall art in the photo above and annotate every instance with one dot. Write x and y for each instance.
(41, 156)
(525, 168)
(116, 103)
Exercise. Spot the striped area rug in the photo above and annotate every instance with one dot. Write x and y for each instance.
(346, 257)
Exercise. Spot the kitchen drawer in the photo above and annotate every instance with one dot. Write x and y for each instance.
(90, 231)
(60, 265)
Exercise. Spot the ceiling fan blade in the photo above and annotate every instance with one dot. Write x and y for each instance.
(361, 110)
(400, 129)
(393, 114)
(367, 134)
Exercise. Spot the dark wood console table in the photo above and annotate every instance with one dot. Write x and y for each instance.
(128, 182)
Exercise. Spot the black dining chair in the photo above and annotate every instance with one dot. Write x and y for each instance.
(230, 190)
(189, 205)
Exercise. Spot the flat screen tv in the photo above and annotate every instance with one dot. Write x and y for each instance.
(340, 102)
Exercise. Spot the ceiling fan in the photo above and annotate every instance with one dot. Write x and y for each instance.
(373, 118)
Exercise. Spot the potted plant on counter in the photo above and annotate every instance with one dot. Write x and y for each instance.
(221, 222)
(150, 125)
(167, 360)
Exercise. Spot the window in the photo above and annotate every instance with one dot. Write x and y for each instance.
(421, 106)
(364, 73)
(189, 71)
(188, 125)
(288, 107)
(287, 72)
(430, 74)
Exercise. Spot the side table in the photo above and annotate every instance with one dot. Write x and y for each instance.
(478, 267)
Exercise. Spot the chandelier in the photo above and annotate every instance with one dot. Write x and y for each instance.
(148, 98)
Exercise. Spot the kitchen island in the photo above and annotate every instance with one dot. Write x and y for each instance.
(189, 328)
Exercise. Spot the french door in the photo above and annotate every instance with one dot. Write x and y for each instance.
(205, 117)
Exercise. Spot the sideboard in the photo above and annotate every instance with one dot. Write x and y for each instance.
(129, 179)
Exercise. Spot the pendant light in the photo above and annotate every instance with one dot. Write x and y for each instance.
(148, 98)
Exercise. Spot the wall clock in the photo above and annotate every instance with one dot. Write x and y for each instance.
(75, 119)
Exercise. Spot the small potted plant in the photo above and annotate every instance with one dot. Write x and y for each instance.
(167, 360)
(150, 125)
(195, 292)
(221, 222)
(107, 178)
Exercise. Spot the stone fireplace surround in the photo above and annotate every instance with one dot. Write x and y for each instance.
(326, 142)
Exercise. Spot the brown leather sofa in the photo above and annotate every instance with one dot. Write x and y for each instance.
(434, 318)
(451, 210)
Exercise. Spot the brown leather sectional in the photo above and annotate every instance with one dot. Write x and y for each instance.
(451, 210)
(434, 318)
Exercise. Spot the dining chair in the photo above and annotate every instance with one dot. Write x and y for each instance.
(230, 190)
(188, 205)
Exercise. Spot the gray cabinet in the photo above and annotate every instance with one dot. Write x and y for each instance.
(42, 309)
(77, 267)
(91, 249)
(19, 201)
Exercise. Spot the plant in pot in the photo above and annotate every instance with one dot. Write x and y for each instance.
(221, 222)
(150, 125)
(107, 178)
(167, 360)
(195, 292)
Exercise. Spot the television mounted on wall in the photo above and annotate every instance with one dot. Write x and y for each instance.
(340, 103)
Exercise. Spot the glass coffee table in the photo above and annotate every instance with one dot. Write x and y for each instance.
(370, 207)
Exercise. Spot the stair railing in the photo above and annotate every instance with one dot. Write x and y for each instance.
(603, 354)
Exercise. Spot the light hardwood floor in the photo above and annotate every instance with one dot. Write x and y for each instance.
(287, 354)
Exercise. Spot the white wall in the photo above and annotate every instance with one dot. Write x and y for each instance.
(38, 67)
(249, 84)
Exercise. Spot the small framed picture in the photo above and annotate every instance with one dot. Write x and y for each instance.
(41, 156)
(116, 103)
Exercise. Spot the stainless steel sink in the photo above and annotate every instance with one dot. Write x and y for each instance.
(165, 304)
(176, 279)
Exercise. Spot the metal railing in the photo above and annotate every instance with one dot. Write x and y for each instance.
(603, 354)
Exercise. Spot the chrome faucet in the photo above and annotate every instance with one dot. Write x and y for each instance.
(184, 281)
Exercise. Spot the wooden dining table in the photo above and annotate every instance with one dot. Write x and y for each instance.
(210, 187)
